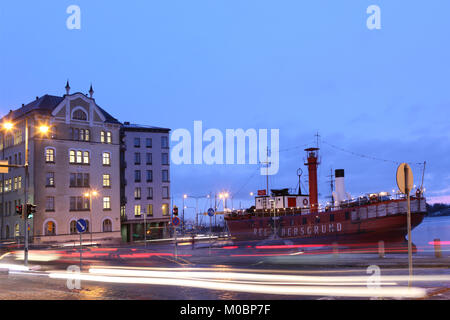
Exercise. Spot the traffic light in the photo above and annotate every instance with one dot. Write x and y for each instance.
(19, 211)
(175, 211)
(31, 210)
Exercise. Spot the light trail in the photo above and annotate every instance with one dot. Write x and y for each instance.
(395, 292)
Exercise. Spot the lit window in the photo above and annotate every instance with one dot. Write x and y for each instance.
(106, 159)
(49, 155)
(137, 193)
(79, 156)
(102, 137)
(137, 210)
(86, 157)
(165, 209)
(108, 137)
(106, 203)
(73, 227)
(149, 210)
(50, 228)
(106, 180)
(72, 156)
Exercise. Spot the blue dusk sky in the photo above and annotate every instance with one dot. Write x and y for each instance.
(298, 66)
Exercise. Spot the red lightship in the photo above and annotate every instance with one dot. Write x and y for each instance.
(300, 219)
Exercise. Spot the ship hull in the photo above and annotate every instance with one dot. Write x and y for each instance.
(365, 224)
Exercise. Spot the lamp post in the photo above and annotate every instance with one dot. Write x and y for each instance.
(43, 129)
(183, 228)
(89, 195)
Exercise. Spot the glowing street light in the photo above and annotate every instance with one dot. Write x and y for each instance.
(8, 125)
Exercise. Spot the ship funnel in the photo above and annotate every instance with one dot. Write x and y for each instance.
(340, 194)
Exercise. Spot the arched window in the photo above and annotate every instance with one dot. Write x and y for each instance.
(107, 225)
(73, 227)
(50, 228)
(17, 231)
(49, 155)
(79, 115)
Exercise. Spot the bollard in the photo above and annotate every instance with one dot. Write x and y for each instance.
(437, 248)
(381, 249)
(335, 249)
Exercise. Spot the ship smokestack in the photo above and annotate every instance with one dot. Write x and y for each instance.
(312, 155)
(340, 194)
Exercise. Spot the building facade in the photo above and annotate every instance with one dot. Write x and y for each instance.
(145, 180)
(74, 170)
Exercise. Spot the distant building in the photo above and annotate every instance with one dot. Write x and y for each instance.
(145, 181)
(79, 156)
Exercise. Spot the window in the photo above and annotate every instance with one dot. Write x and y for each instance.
(149, 210)
(137, 142)
(149, 193)
(20, 157)
(19, 182)
(49, 179)
(137, 175)
(137, 158)
(149, 158)
(79, 157)
(165, 209)
(107, 225)
(49, 155)
(106, 159)
(79, 115)
(148, 142)
(73, 227)
(80, 134)
(165, 175)
(165, 158)
(106, 181)
(149, 175)
(50, 228)
(164, 142)
(79, 180)
(165, 192)
(106, 203)
(79, 204)
(137, 193)
(137, 210)
(50, 204)
(15, 183)
(105, 137)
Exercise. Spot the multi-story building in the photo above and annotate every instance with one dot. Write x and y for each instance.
(74, 169)
(145, 181)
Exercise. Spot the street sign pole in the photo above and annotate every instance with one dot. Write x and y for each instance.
(406, 168)
(405, 181)
(81, 251)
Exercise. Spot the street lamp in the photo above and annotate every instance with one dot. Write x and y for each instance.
(196, 201)
(8, 126)
(89, 195)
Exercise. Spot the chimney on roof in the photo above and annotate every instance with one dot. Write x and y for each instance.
(67, 87)
(37, 97)
(91, 92)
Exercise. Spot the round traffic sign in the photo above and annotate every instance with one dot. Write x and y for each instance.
(176, 221)
(81, 225)
(405, 179)
(211, 212)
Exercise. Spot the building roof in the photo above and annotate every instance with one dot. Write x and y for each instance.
(139, 127)
(47, 103)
